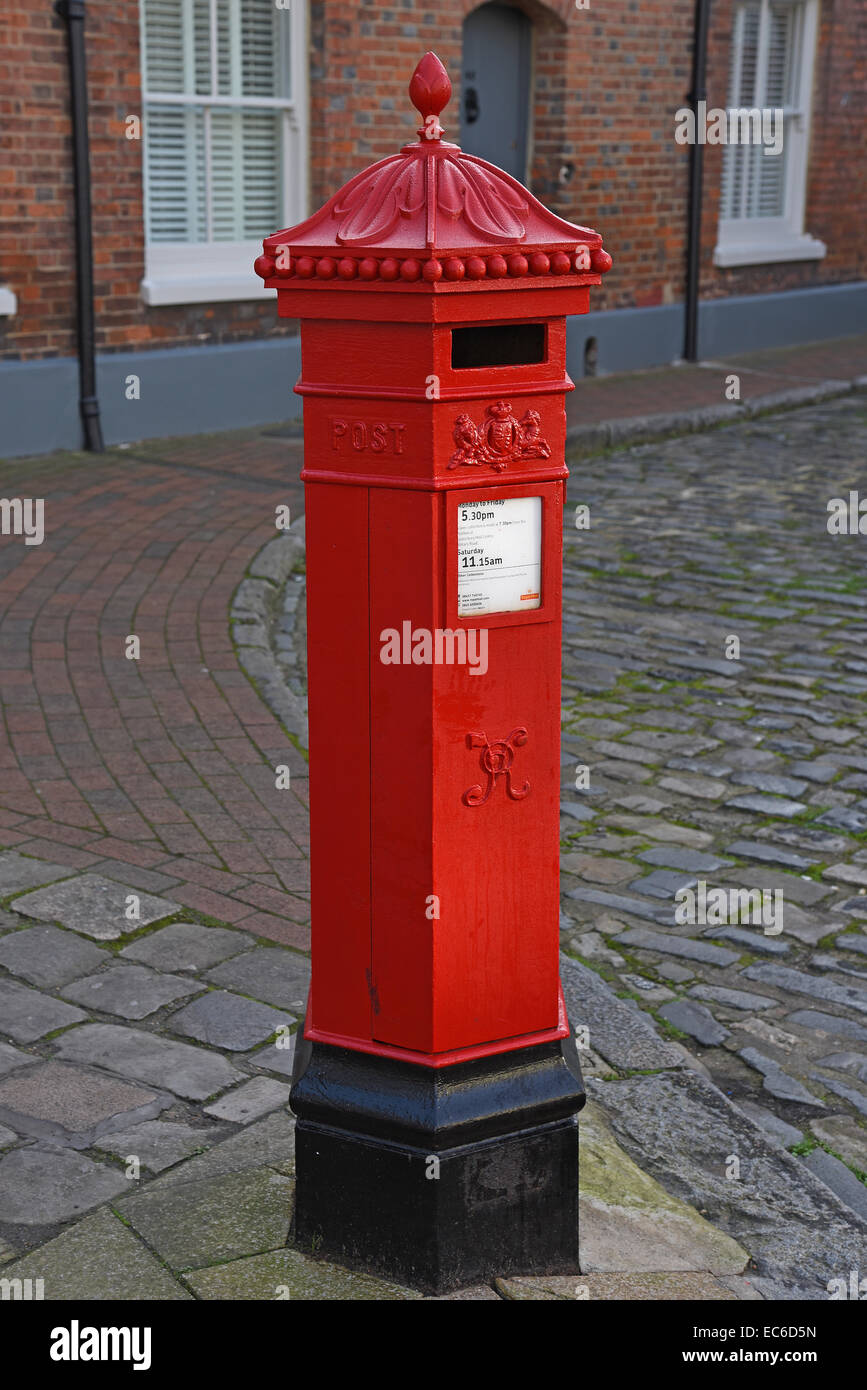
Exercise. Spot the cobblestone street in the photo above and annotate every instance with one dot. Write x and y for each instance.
(747, 773)
(153, 878)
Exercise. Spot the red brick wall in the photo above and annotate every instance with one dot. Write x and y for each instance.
(35, 179)
(607, 83)
(37, 230)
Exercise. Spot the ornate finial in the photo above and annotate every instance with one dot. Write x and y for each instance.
(429, 91)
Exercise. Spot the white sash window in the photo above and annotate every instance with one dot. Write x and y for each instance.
(224, 130)
(763, 192)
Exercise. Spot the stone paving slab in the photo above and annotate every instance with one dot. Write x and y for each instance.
(688, 860)
(198, 1223)
(251, 1101)
(18, 872)
(825, 1025)
(57, 1099)
(95, 906)
(628, 1222)
(158, 1144)
(694, 1285)
(845, 1136)
(748, 849)
(276, 1057)
(229, 1021)
(620, 903)
(777, 1081)
(178, 1067)
(47, 957)
(733, 998)
(130, 991)
(855, 1063)
(680, 946)
(664, 883)
(270, 1141)
(841, 1181)
(695, 1020)
(816, 987)
(288, 1275)
(479, 1293)
(651, 827)
(100, 1258)
(186, 946)
(39, 1187)
(794, 888)
(752, 940)
(682, 1130)
(620, 1034)
(847, 873)
(26, 1014)
(857, 1099)
(772, 1125)
(276, 977)
(767, 805)
(852, 941)
(12, 1057)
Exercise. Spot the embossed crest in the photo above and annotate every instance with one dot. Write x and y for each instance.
(499, 440)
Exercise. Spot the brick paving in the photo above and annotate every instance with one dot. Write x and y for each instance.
(158, 770)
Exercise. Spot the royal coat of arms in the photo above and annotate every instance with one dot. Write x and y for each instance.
(499, 440)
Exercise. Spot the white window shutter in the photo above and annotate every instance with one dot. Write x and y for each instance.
(743, 73)
(175, 174)
(763, 194)
(215, 160)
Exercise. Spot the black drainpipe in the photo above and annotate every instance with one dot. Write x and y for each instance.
(72, 11)
(696, 153)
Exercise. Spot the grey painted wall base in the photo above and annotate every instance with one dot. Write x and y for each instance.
(749, 323)
(629, 339)
(182, 391)
(205, 389)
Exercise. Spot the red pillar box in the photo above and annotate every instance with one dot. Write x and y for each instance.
(436, 1089)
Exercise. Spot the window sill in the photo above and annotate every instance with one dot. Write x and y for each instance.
(769, 252)
(8, 302)
(201, 289)
(202, 273)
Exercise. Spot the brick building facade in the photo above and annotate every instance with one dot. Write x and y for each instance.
(598, 87)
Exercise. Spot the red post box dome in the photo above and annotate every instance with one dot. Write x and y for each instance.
(431, 217)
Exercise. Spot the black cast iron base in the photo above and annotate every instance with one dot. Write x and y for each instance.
(439, 1178)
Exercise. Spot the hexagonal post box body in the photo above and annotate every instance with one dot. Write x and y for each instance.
(432, 293)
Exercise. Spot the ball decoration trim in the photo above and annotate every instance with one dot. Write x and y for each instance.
(582, 260)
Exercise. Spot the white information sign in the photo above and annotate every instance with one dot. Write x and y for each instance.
(499, 555)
